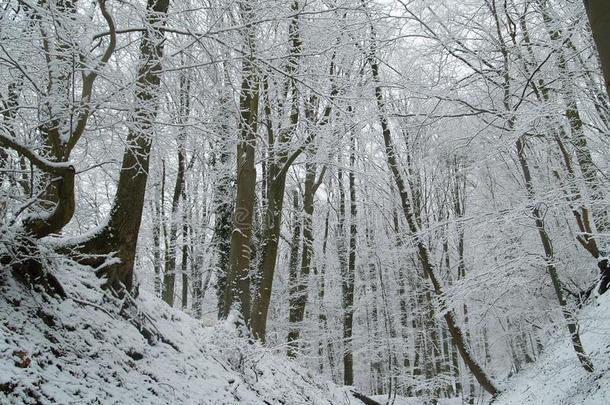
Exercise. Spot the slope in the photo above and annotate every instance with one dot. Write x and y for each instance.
(557, 378)
(92, 349)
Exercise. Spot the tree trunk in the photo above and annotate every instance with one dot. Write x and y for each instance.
(347, 267)
(185, 253)
(59, 136)
(550, 266)
(299, 298)
(156, 241)
(120, 235)
(349, 278)
(237, 293)
(280, 161)
(223, 203)
(599, 18)
(322, 318)
(171, 254)
(295, 282)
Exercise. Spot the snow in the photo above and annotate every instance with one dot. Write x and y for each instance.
(557, 378)
(82, 351)
(398, 400)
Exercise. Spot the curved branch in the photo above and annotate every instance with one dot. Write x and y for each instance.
(89, 79)
(40, 226)
(43, 164)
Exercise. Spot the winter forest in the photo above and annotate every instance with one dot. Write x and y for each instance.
(304, 202)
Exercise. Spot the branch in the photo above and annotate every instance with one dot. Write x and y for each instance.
(325, 119)
(294, 157)
(38, 161)
(89, 79)
(320, 178)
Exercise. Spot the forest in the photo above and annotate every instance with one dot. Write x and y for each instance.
(304, 201)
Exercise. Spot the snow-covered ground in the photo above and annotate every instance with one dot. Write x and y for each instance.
(79, 351)
(557, 378)
(398, 400)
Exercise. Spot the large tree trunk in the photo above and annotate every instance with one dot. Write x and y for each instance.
(237, 293)
(271, 234)
(599, 18)
(280, 161)
(223, 203)
(120, 234)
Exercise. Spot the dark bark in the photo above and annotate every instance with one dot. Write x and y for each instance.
(347, 285)
(237, 293)
(271, 234)
(294, 281)
(364, 399)
(185, 256)
(280, 160)
(349, 278)
(223, 201)
(120, 235)
(599, 18)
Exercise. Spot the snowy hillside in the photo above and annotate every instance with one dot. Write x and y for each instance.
(79, 351)
(557, 378)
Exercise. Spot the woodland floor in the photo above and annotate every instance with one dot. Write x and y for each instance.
(81, 351)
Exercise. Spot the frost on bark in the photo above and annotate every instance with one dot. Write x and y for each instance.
(237, 292)
(298, 295)
(280, 160)
(120, 234)
(58, 132)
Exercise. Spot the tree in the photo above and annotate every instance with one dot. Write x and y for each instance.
(299, 293)
(423, 253)
(120, 234)
(598, 12)
(237, 293)
(59, 133)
